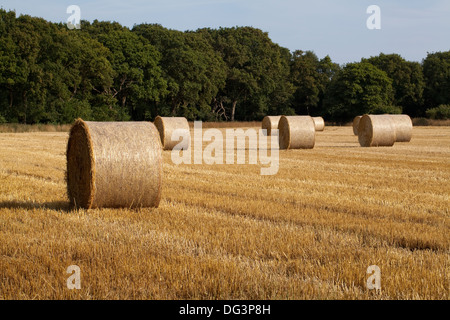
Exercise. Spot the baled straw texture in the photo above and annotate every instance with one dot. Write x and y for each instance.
(297, 132)
(167, 125)
(114, 165)
(319, 123)
(376, 131)
(403, 127)
(269, 123)
(356, 124)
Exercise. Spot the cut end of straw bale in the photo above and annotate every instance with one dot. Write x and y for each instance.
(270, 123)
(114, 165)
(356, 124)
(296, 132)
(376, 131)
(319, 123)
(80, 166)
(166, 127)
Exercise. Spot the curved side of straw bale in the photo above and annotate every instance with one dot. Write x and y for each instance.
(356, 124)
(114, 165)
(319, 123)
(167, 125)
(297, 132)
(269, 123)
(403, 127)
(376, 131)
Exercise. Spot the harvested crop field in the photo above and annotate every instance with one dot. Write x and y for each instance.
(227, 232)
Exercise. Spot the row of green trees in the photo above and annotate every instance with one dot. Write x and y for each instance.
(105, 71)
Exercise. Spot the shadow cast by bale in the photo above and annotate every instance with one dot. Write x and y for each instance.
(30, 205)
(337, 147)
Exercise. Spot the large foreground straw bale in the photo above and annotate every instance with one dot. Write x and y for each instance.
(167, 125)
(114, 164)
(403, 127)
(270, 123)
(376, 131)
(319, 123)
(356, 124)
(297, 132)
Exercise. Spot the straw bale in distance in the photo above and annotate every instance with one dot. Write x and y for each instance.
(269, 123)
(296, 132)
(167, 125)
(356, 124)
(376, 131)
(319, 123)
(114, 165)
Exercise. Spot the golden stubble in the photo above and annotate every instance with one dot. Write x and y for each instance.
(226, 232)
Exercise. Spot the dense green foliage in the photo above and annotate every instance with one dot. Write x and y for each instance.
(105, 71)
(436, 70)
(407, 81)
(359, 88)
(441, 113)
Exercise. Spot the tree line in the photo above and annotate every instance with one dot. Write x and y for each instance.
(105, 71)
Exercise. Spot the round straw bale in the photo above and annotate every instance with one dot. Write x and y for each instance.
(114, 165)
(167, 125)
(319, 123)
(403, 127)
(356, 124)
(269, 123)
(297, 132)
(376, 131)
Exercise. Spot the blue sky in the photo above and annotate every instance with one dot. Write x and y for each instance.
(334, 28)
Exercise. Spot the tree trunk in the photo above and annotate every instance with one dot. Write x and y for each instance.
(11, 97)
(233, 110)
(25, 104)
(174, 107)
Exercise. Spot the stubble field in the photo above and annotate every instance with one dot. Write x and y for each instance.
(226, 232)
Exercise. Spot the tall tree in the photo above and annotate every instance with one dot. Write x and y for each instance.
(436, 69)
(23, 76)
(407, 81)
(305, 78)
(138, 82)
(193, 70)
(80, 77)
(310, 77)
(327, 70)
(278, 99)
(52, 74)
(257, 70)
(357, 89)
(8, 64)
